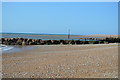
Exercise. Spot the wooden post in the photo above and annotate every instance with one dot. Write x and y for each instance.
(69, 34)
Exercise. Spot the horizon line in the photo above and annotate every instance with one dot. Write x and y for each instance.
(51, 33)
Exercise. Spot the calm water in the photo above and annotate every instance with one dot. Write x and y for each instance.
(5, 48)
(12, 49)
(41, 36)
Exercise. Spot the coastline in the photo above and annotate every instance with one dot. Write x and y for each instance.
(63, 61)
(59, 40)
(16, 48)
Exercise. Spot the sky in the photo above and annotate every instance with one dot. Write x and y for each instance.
(0, 18)
(60, 0)
(82, 18)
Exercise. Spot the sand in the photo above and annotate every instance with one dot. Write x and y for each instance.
(63, 61)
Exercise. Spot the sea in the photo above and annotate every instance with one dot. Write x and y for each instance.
(43, 36)
(11, 49)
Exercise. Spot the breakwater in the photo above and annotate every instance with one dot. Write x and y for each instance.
(27, 41)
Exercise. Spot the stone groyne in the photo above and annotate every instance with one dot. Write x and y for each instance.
(25, 41)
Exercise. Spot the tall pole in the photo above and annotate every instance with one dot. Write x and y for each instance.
(69, 34)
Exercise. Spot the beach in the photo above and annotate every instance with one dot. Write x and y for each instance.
(63, 61)
(60, 39)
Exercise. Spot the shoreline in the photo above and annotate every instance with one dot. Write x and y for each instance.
(63, 61)
(34, 47)
(16, 49)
